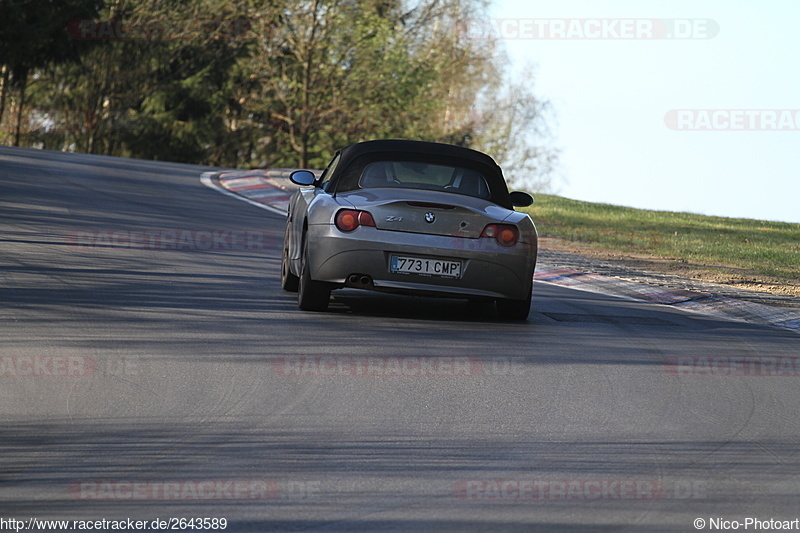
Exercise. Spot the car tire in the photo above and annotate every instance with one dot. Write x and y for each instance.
(311, 295)
(289, 282)
(508, 309)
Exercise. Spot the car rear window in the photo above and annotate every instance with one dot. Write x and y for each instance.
(428, 176)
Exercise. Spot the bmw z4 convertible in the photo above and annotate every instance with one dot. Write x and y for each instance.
(410, 217)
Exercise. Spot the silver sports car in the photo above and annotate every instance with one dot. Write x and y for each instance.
(410, 217)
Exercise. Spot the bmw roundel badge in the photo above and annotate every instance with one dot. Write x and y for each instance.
(429, 217)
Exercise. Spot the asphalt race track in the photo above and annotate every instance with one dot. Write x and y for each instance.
(153, 368)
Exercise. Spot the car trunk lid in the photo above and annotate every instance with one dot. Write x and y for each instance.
(427, 212)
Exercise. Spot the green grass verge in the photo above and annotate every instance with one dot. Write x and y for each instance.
(768, 248)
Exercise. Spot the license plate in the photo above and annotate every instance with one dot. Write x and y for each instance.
(448, 268)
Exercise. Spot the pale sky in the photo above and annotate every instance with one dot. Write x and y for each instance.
(737, 69)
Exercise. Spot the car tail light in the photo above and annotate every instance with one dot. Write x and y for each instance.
(504, 234)
(350, 219)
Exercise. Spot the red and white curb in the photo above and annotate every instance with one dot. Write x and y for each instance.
(703, 302)
(266, 189)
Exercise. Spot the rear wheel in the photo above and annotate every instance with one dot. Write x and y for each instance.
(508, 309)
(311, 295)
(289, 281)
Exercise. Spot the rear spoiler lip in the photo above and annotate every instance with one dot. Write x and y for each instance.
(431, 205)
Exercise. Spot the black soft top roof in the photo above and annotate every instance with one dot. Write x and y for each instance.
(356, 156)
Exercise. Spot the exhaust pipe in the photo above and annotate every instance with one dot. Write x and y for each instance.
(359, 281)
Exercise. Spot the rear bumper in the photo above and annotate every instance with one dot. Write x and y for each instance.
(488, 269)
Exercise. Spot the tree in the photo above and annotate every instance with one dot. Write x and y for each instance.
(283, 83)
(161, 83)
(338, 72)
(512, 124)
(33, 34)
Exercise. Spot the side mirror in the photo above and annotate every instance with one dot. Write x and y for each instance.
(520, 199)
(302, 177)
